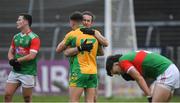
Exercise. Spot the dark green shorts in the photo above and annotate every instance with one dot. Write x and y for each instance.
(83, 80)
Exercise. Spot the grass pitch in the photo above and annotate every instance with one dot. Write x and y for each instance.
(50, 98)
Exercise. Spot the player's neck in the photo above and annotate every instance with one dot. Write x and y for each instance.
(75, 27)
(25, 30)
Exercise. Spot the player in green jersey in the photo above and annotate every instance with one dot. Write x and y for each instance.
(142, 65)
(22, 57)
(88, 20)
(83, 70)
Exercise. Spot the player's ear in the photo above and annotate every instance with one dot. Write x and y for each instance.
(26, 22)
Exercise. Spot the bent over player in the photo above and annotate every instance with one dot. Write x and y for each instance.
(142, 65)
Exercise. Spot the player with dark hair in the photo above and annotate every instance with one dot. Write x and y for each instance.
(22, 57)
(83, 67)
(27, 17)
(88, 19)
(142, 65)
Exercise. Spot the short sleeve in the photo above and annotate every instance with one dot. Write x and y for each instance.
(35, 45)
(67, 39)
(125, 65)
(12, 44)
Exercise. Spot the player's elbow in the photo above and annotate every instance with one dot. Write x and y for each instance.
(106, 43)
(59, 50)
(60, 47)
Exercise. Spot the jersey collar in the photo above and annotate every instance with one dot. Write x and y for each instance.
(29, 31)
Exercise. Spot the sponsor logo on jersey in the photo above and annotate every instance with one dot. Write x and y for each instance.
(22, 51)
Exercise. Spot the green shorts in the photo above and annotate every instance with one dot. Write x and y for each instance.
(83, 80)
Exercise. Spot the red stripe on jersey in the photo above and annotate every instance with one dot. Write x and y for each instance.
(35, 44)
(138, 60)
(125, 65)
(12, 44)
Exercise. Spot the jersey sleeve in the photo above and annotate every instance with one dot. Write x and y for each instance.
(12, 44)
(67, 39)
(35, 45)
(125, 65)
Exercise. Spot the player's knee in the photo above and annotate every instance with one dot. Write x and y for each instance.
(27, 98)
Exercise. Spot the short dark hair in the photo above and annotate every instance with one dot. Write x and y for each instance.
(110, 61)
(27, 17)
(90, 14)
(76, 16)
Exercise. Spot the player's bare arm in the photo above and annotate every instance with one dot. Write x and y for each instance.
(11, 53)
(102, 40)
(75, 50)
(61, 46)
(71, 51)
(140, 80)
(28, 57)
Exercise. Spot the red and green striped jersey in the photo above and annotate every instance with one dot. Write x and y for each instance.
(148, 64)
(22, 45)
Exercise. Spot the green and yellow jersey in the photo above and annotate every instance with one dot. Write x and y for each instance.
(84, 62)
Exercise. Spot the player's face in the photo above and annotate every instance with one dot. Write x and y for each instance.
(21, 22)
(116, 69)
(87, 21)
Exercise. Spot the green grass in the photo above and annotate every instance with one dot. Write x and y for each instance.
(18, 98)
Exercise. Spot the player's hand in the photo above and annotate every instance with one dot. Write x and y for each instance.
(85, 46)
(149, 98)
(88, 31)
(16, 65)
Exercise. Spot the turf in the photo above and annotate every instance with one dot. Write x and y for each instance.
(18, 98)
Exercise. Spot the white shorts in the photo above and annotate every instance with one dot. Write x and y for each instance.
(27, 81)
(170, 77)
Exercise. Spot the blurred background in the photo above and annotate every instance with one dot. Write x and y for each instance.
(127, 24)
